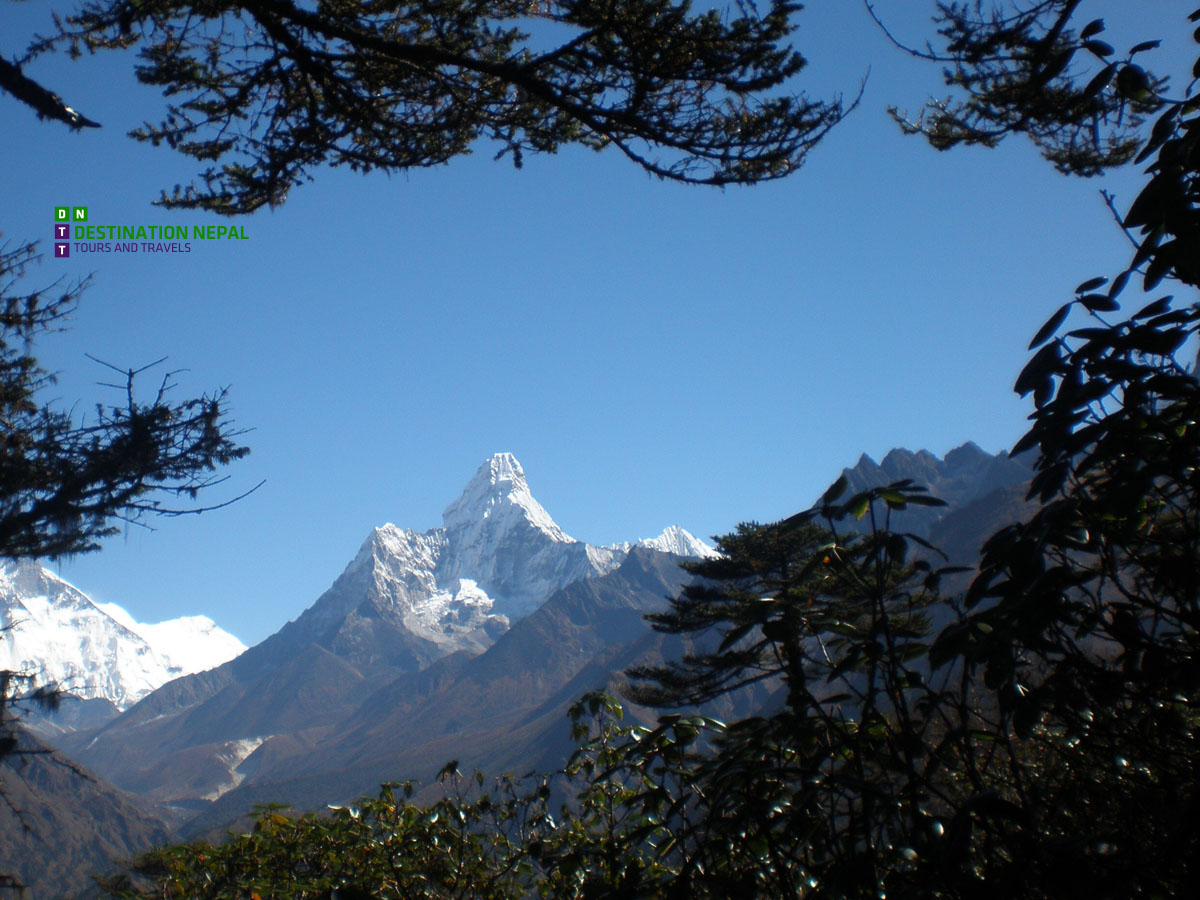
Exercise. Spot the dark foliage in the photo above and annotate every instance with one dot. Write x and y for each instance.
(271, 89)
(1020, 68)
(1084, 619)
(47, 104)
(65, 483)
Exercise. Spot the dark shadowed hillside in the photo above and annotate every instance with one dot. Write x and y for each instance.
(60, 823)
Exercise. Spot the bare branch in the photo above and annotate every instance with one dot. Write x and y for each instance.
(46, 104)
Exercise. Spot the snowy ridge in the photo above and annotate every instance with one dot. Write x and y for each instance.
(606, 559)
(680, 542)
(500, 537)
(673, 539)
(190, 643)
(400, 563)
(498, 556)
(54, 630)
(497, 499)
(400, 572)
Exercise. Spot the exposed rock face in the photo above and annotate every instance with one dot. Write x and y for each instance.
(503, 710)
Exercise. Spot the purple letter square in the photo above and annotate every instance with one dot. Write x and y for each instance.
(62, 250)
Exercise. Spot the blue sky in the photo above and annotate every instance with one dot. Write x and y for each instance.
(652, 353)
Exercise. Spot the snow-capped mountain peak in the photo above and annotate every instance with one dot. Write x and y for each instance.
(497, 557)
(189, 643)
(53, 630)
(680, 542)
(498, 496)
(390, 552)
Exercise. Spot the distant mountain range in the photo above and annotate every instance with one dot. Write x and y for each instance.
(466, 641)
(983, 493)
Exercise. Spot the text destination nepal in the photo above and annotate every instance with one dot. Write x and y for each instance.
(159, 232)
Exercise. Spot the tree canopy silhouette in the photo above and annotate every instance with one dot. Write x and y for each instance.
(66, 482)
(1033, 69)
(267, 90)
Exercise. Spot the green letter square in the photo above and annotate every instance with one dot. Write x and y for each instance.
(79, 213)
(62, 213)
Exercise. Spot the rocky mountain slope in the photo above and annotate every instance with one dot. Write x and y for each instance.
(59, 824)
(501, 711)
